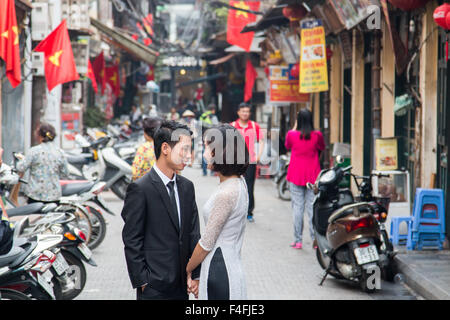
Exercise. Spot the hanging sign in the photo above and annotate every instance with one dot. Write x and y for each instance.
(284, 87)
(313, 58)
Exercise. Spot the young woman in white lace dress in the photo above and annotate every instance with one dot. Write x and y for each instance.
(225, 213)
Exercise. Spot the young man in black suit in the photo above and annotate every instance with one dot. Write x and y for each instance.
(161, 221)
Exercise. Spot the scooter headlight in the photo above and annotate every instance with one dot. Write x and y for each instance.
(328, 176)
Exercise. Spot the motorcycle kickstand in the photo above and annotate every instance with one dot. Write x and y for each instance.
(327, 271)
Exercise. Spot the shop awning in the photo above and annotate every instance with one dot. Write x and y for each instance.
(127, 43)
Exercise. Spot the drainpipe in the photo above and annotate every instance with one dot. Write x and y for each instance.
(376, 91)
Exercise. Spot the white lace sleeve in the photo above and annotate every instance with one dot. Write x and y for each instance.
(223, 204)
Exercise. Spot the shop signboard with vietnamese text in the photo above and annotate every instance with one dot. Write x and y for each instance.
(284, 87)
(313, 57)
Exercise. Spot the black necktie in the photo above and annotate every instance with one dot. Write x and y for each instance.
(173, 201)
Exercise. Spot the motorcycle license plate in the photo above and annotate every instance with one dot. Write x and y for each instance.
(366, 255)
(60, 265)
(87, 253)
(44, 281)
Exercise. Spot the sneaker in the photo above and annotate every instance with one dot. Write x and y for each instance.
(298, 245)
(250, 219)
(293, 244)
(315, 244)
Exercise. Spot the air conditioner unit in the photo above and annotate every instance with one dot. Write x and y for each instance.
(81, 55)
(37, 63)
(39, 21)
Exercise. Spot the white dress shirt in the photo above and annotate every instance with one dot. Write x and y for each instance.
(166, 180)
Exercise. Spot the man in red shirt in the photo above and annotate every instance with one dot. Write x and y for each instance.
(251, 132)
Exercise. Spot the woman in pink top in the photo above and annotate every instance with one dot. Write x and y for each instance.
(305, 144)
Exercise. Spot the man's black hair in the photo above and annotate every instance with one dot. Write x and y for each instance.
(165, 133)
(244, 105)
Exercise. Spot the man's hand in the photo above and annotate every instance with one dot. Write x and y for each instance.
(192, 286)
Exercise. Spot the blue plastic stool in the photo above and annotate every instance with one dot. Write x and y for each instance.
(396, 237)
(427, 227)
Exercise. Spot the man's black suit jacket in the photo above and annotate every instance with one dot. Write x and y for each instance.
(157, 250)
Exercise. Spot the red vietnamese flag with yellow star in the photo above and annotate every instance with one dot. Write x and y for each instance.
(112, 78)
(9, 41)
(237, 20)
(59, 62)
(90, 75)
(99, 70)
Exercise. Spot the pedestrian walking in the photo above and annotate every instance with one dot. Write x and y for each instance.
(207, 120)
(145, 155)
(44, 163)
(173, 115)
(219, 249)
(161, 221)
(251, 132)
(305, 144)
(135, 115)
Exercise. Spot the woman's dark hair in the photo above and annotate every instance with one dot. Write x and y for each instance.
(47, 132)
(151, 124)
(164, 134)
(230, 153)
(305, 124)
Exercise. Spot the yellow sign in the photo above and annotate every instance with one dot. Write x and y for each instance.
(386, 154)
(313, 58)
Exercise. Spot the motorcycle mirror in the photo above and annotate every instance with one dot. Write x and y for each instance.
(339, 159)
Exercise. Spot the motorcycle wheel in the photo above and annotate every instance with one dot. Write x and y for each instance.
(283, 189)
(9, 294)
(77, 272)
(390, 270)
(98, 227)
(120, 187)
(320, 259)
(323, 262)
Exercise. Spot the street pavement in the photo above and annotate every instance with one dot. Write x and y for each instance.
(274, 270)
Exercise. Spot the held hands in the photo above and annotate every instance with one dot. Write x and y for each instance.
(192, 285)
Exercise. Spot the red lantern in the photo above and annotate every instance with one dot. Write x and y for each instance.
(295, 71)
(441, 16)
(408, 5)
(294, 12)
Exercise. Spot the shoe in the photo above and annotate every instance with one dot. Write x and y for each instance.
(315, 244)
(250, 219)
(293, 244)
(298, 245)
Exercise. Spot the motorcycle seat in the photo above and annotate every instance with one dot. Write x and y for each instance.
(28, 247)
(33, 208)
(11, 256)
(76, 188)
(79, 159)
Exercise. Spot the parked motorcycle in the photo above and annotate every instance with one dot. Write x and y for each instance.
(102, 164)
(68, 271)
(348, 236)
(280, 178)
(87, 194)
(26, 267)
